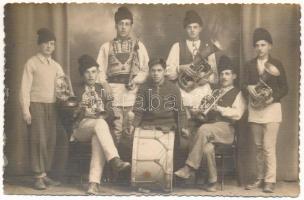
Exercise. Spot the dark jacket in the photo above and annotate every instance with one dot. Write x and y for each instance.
(278, 84)
(79, 89)
(170, 111)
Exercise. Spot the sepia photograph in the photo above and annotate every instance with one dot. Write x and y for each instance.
(152, 99)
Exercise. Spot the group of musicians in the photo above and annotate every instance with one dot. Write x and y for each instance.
(117, 88)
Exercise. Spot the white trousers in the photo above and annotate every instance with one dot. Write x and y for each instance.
(103, 148)
(265, 139)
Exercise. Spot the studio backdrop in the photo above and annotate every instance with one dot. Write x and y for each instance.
(83, 28)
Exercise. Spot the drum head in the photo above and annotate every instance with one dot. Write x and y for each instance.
(152, 159)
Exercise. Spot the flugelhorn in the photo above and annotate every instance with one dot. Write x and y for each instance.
(263, 90)
(64, 93)
(208, 102)
(200, 65)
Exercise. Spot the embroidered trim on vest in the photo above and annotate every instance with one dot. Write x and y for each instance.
(122, 57)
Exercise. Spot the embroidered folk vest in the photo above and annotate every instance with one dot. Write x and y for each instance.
(185, 56)
(226, 101)
(123, 60)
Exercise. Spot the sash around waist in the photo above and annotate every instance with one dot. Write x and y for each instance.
(121, 78)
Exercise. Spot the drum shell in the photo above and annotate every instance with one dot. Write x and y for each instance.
(152, 159)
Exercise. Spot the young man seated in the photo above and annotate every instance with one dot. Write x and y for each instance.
(94, 107)
(158, 102)
(219, 126)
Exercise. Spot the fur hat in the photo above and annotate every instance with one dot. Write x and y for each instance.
(261, 34)
(225, 63)
(85, 62)
(45, 35)
(123, 13)
(192, 17)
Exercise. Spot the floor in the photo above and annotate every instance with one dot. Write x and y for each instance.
(22, 185)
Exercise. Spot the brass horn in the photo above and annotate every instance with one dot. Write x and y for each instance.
(263, 90)
(200, 65)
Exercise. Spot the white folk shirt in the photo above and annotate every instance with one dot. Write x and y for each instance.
(123, 96)
(38, 81)
(192, 98)
(268, 114)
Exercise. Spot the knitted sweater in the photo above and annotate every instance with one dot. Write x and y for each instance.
(159, 105)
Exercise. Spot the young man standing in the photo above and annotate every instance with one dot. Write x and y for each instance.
(38, 103)
(90, 125)
(218, 127)
(182, 55)
(123, 64)
(265, 121)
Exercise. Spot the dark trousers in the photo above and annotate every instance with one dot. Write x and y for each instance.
(42, 136)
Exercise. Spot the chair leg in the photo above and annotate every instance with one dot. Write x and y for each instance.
(235, 155)
(222, 173)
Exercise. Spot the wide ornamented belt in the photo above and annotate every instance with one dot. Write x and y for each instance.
(123, 79)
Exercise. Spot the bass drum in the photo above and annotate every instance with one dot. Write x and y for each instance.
(152, 159)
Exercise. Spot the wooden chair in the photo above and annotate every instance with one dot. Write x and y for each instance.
(223, 152)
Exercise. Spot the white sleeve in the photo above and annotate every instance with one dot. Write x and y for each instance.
(143, 62)
(237, 109)
(26, 85)
(173, 62)
(102, 60)
(60, 71)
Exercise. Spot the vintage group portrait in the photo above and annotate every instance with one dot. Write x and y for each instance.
(152, 99)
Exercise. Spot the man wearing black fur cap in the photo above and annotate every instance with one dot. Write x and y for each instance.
(91, 125)
(123, 65)
(264, 117)
(38, 103)
(182, 55)
(218, 129)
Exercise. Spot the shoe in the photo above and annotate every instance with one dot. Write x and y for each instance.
(269, 187)
(50, 181)
(257, 184)
(93, 189)
(211, 187)
(39, 184)
(119, 165)
(184, 172)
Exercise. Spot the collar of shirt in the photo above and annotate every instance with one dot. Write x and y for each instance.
(43, 59)
(193, 45)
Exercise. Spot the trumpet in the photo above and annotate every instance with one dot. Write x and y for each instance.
(208, 102)
(263, 90)
(200, 65)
